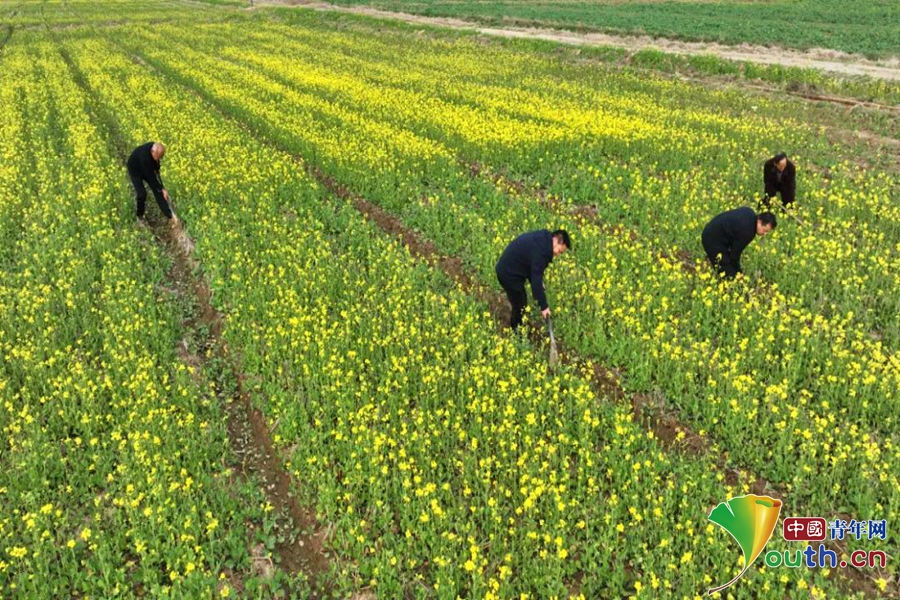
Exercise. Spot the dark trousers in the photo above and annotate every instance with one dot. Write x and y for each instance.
(140, 194)
(716, 253)
(518, 300)
(787, 195)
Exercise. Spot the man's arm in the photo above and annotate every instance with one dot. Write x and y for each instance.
(150, 172)
(537, 283)
(734, 254)
(153, 177)
(790, 185)
(159, 181)
(730, 270)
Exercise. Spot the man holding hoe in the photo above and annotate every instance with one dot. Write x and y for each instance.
(526, 258)
(143, 166)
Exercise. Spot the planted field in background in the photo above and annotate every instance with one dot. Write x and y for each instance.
(866, 28)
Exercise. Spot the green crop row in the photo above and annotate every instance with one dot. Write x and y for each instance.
(115, 470)
(804, 377)
(445, 457)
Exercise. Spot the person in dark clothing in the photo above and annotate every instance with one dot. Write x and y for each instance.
(143, 166)
(526, 257)
(726, 236)
(779, 175)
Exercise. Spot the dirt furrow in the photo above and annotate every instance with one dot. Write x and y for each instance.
(299, 548)
(666, 428)
(670, 432)
(792, 91)
(5, 38)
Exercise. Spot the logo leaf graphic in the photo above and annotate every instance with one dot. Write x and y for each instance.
(750, 520)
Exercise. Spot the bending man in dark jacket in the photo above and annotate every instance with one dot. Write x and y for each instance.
(526, 257)
(779, 175)
(726, 236)
(143, 166)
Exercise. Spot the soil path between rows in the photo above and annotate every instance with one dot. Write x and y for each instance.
(300, 547)
(832, 61)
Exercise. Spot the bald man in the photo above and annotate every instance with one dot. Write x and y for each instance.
(143, 166)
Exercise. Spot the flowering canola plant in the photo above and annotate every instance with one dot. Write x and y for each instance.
(115, 477)
(447, 460)
(813, 375)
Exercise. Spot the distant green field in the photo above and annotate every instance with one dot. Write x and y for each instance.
(863, 27)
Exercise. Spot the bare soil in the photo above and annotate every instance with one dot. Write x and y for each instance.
(300, 549)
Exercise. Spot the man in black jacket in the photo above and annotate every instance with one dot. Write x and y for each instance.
(726, 236)
(779, 175)
(526, 257)
(143, 166)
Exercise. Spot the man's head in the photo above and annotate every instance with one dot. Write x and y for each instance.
(561, 242)
(157, 151)
(765, 222)
(780, 161)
